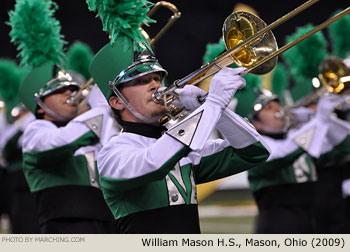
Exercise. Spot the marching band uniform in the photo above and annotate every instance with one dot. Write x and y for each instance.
(60, 147)
(12, 126)
(22, 222)
(60, 167)
(4, 187)
(284, 186)
(148, 173)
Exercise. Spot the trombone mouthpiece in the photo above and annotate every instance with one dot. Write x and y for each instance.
(71, 100)
(279, 115)
(157, 97)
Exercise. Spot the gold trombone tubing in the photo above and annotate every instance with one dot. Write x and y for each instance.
(207, 70)
(301, 38)
(176, 15)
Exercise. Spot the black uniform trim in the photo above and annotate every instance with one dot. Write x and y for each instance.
(143, 129)
(84, 202)
(181, 219)
(285, 209)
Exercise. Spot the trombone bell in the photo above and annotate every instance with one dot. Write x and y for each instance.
(238, 27)
(332, 72)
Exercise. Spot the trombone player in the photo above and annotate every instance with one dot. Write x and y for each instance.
(61, 145)
(149, 173)
(283, 187)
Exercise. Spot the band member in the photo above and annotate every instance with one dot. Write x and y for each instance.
(60, 147)
(283, 187)
(149, 173)
(22, 222)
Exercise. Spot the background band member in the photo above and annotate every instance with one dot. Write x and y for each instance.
(60, 147)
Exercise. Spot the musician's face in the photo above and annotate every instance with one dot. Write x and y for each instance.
(57, 102)
(268, 122)
(139, 93)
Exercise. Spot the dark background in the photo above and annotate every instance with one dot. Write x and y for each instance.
(181, 49)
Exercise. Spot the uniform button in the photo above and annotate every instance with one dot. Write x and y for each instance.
(174, 198)
(195, 195)
(94, 126)
(93, 180)
(181, 132)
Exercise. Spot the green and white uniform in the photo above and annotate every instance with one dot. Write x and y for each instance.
(149, 178)
(60, 164)
(284, 186)
(22, 222)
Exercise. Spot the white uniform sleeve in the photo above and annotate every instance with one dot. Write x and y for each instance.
(236, 130)
(126, 158)
(279, 148)
(43, 135)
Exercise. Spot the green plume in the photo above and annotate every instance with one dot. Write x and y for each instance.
(280, 80)
(11, 77)
(79, 56)
(122, 18)
(36, 32)
(304, 58)
(339, 33)
(213, 50)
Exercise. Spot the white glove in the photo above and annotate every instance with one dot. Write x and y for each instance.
(346, 103)
(188, 97)
(224, 85)
(326, 106)
(346, 188)
(96, 97)
(302, 114)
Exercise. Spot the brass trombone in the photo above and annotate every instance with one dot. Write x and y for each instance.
(253, 47)
(335, 78)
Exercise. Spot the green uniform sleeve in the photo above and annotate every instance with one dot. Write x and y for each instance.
(229, 161)
(271, 166)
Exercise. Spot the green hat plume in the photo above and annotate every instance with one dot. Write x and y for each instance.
(280, 80)
(339, 33)
(303, 59)
(79, 56)
(122, 18)
(36, 33)
(11, 77)
(213, 50)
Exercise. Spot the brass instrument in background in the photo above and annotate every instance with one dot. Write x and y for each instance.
(176, 15)
(249, 43)
(335, 78)
(79, 97)
(335, 75)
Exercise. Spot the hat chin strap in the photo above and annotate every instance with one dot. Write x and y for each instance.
(132, 110)
(51, 112)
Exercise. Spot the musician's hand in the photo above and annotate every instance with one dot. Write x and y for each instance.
(224, 85)
(188, 97)
(326, 105)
